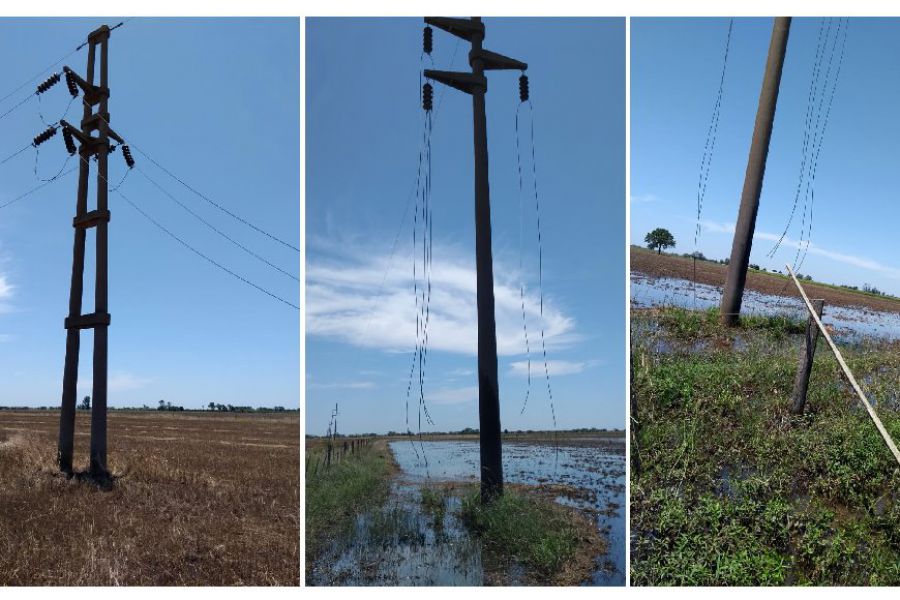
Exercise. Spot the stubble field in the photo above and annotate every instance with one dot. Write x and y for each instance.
(197, 499)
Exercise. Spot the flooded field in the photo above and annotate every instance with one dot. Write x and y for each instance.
(850, 323)
(413, 540)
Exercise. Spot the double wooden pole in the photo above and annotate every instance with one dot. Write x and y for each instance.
(90, 145)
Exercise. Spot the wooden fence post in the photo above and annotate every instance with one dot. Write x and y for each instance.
(807, 353)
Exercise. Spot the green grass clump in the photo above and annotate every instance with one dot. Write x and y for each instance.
(682, 323)
(334, 496)
(734, 490)
(527, 530)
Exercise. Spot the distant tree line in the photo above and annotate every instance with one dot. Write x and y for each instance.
(466, 431)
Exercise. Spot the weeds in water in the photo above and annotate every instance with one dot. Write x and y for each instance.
(334, 497)
(734, 490)
(533, 532)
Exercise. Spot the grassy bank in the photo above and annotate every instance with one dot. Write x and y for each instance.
(732, 488)
(357, 483)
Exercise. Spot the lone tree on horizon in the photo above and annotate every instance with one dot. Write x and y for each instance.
(659, 239)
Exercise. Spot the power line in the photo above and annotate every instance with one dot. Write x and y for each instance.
(16, 153)
(205, 257)
(213, 203)
(202, 255)
(213, 227)
(36, 188)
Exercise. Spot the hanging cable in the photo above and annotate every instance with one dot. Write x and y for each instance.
(708, 151)
(817, 135)
(821, 141)
(523, 97)
(37, 152)
(540, 244)
(821, 43)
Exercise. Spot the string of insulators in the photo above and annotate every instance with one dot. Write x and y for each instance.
(523, 88)
(44, 136)
(72, 84)
(48, 83)
(427, 40)
(126, 152)
(70, 142)
(427, 96)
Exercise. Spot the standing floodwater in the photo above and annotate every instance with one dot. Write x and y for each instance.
(597, 470)
(849, 323)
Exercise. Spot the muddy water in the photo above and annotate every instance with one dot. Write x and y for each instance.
(598, 471)
(851, 324)
(406, 544)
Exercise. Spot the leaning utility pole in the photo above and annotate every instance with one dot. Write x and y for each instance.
(90, 146)
(753, 179)
(475, 83)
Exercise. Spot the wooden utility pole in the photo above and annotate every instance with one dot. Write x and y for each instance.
(753, 179)
(475, 83)
(90, 145)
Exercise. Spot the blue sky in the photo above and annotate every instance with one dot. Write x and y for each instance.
(364, 126)
(676, 65)
(216, 102)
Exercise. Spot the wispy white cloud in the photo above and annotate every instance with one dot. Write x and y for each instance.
(643, 198)
(861, 262)
(345, 300)
(347, 385)
(119, 381)
(447, 396)
(554, 367)
(6, 294)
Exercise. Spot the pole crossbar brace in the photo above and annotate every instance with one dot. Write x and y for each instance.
(464, 82)
(862, 397)
(461, 28)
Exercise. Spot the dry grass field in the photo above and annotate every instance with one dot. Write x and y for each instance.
(198, 499)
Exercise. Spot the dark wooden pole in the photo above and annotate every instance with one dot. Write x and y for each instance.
(475, 83)
(101, 291)
(807, 353)
(753, 179)
(65, 449)
(488, 385)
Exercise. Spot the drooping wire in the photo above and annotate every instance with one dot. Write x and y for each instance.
(36, 188)
(708, 152)
(37, 152)
(181, 241)
(422, 236)
(815, 165)
(521, 267)
(212, 227)
(540, 253)
(821, 44)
